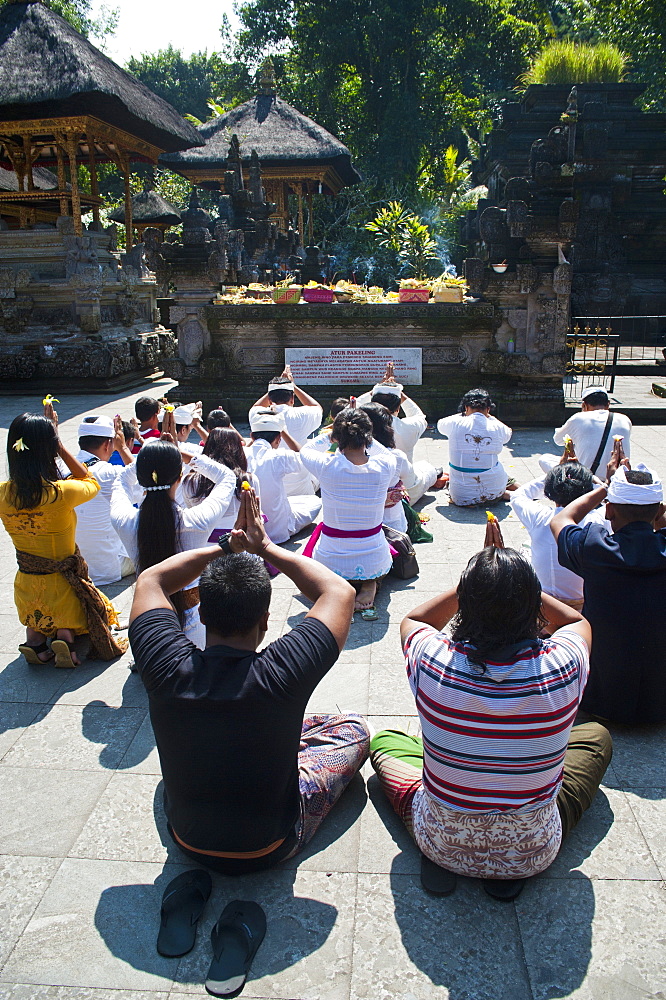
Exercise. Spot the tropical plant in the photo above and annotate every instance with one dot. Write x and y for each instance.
(406, 235)
(571, 62)
(216, 108)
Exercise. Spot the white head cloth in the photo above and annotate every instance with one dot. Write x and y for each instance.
(590, 389)
(267, 420)
(184, 414)
(289, 386)
(620, 491)
(101, 427)
(394, 389)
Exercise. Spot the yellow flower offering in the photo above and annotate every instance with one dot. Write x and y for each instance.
(20, 445)
(49, 399)
(245, 485)
(154, 477)
(491, 517)
(618, 437)
(169, 407)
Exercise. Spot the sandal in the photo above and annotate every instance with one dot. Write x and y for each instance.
(506, 890)
(31, 653)
(235, 938)
(369, 614)
(435, 879)
(183, 902)
(63, 653)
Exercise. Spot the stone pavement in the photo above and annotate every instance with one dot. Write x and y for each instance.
(85, 856)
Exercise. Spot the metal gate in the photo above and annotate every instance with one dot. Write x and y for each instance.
(601, 347)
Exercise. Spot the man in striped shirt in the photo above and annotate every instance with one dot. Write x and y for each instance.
(501, 773)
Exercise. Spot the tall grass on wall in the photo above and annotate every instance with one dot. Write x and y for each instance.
(568, 62)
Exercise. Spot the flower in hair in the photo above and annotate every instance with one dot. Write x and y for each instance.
(20, 445)
(154, 476)
(48, 398)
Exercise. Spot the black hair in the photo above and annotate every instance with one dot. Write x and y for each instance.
(382, 423)
(337, 406)
(477, 399)
(597, 399)
(638, 511)
(224, 446)
(32, 470)
(235, 593)
(352, 429)
(499, 603)
(145, 408)
(218, 418)
(269, 436)
(157, 464)
(387, 399)
(90, 442)
(128, 431)
(565, 483)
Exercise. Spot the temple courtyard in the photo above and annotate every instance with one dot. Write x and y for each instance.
(86, 857)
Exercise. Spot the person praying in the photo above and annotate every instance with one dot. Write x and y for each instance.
(623, 568)
(476, 439)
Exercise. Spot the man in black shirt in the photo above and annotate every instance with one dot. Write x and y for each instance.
(247, 779)
(624, 575)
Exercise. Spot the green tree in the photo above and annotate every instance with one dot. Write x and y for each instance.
(77, 13)
(192, 84)
(638, 27)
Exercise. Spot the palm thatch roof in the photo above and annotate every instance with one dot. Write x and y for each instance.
(47, 70)
(149, 208)
(43, 180)
(284, 139)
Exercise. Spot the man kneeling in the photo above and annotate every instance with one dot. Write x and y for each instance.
(247, 779)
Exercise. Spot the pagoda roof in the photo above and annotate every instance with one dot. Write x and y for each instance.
(286, 141)
(147, 207)
(48, 70)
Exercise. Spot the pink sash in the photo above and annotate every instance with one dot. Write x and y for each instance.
(322, 528)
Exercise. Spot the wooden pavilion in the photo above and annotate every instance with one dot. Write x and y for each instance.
(149, 209)
(297, 156)
(64, 103)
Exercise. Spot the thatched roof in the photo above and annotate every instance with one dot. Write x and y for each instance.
(281, 135)
(149, 207)
(47, 69)
(43, 179)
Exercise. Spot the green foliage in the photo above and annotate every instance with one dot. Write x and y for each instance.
(77, 13)
(194, 86)
(570, 62)
(408, 237)
(638, 27)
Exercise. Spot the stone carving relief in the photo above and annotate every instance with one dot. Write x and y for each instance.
(518, 218)
(447, 354)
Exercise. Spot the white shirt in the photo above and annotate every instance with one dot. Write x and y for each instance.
(353, 498)
(100, 546)
(272, 466)
(196, 523)
(555, 579)
(586, 430)
(475, 441)
(300, 423)
(185, 498)
(407, 429)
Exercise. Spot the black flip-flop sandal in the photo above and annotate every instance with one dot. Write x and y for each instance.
(183, 902)
(63, 653)
(504, 889)
(235, 938)
(436, 880)
(31, 653)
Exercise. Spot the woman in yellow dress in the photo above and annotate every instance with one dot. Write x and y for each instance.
(53, 596)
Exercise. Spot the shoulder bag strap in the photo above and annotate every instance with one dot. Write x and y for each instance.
(602, 445)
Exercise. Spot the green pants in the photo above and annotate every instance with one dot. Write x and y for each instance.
(398, 760)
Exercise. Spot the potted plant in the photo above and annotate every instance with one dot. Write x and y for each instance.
(449, 288)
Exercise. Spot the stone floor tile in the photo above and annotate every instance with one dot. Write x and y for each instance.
(78, 739)
(335, 846)
(96, 927)
(638, 755)
(307, 950)
(607, 843)
(128, 823)
(22, 991)
(11, 631)
(593, 940)
(343, 689)
(141, 756)
(14, 717)
(23, 882)
(20, 681)
(385, 845)
(649, 808)
(110, 684)
(407, 943)
(44, 810)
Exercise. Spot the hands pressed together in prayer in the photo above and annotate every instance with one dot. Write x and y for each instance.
(249, 534)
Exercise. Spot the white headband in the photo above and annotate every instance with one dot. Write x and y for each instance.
(267, 420)
(289, 386)
(394, 389)
(620, 491)
(184, 414)
(592, 389)
(99, 427)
